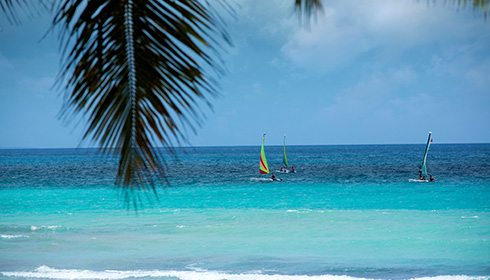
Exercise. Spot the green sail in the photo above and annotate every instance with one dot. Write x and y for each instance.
(424, 167)
(284, 158)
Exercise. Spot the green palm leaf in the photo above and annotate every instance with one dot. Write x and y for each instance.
(138, 69)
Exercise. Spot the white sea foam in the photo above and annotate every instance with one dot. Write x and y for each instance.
(50, 273)
(299, 211)
(453, 277)
(34, 228)
(8, 236)
(45, 272)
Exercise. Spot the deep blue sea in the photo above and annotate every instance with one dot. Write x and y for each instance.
(349, 212)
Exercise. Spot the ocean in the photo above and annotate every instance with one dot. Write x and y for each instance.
(349, 212)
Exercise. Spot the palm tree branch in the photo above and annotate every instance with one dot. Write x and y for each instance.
(135, 70)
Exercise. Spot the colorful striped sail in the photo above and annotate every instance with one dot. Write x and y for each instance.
(284, 158)
(424, 167)
(264, 168)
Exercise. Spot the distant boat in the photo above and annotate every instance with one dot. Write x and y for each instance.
(424, 163)
(285, 165)
(264, 168)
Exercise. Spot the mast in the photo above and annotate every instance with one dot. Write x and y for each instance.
(284, 159)
(425, 154)
(264, 168)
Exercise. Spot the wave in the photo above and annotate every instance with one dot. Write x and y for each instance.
(30, 228)
(38, 228)
(10, 236)
(302, 211)
(45, 272)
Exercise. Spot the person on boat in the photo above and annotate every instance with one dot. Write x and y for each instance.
(292, 169)
(420, 173)
(431, 179)
(282, 169)
(273, 177)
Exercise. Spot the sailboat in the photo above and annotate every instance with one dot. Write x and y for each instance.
(285, 165)
(424, 164)
(264, 168)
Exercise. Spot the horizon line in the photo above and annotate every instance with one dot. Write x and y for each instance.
(279, 145)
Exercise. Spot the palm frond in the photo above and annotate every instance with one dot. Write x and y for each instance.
(11, 8)
(8, 7)
(478, 5)
(139, 69)
(307, 8)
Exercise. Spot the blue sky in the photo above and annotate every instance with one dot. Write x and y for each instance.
(366, 72)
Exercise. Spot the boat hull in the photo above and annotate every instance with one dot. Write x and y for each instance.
(417, 181)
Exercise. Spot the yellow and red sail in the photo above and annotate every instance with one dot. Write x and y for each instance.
(264, 168)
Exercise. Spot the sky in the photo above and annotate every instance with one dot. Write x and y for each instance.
(363, 72)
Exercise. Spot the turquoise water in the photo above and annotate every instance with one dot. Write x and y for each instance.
(349, 213)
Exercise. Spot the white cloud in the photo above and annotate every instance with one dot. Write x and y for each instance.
(384, 30)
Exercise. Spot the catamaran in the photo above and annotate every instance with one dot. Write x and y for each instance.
(285, 165)
(424, 165)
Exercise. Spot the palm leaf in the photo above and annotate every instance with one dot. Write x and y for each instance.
(306, 8)
(478, 5)
(139, 69)
(10, 8)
